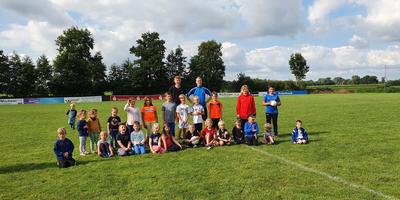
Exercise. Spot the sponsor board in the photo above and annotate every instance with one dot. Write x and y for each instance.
(82, 99)
(289, 92)
(11, 101)
(228, 94)
(31, 100)
(137, 97)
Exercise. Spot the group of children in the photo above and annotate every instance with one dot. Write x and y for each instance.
(128, 138)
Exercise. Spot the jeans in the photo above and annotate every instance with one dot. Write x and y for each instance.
(113, 137)
(274, 118)
(82, 144)
(138, 149)
(105, 151)
(171, 126)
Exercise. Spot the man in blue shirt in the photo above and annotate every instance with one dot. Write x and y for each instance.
(201, 92)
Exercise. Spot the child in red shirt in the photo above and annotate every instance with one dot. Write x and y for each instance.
(209, 134)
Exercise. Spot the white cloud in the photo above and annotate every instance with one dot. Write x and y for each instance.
(38, 10)
(358, 42)
(272, 62)
(270, 17)
(380, 21)
(33, 39)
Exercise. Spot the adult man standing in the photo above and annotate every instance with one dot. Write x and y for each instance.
(201, 92)
(176, 90)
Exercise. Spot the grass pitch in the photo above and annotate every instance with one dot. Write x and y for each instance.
(354, 154)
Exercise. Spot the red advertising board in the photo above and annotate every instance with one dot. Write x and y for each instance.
(137, 97)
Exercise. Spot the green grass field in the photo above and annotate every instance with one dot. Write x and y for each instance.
(354, 154)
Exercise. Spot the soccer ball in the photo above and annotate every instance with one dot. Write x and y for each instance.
(272, 103)
(195, 140)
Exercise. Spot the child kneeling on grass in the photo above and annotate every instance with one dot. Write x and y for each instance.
(268, 135)
(223, 136)
(209, 134)
(299, 134)
(251, 130)
(104, 149)
(63, 149)
(192, 136)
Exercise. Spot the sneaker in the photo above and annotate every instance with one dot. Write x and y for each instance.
(208, 148)
(195, 146)
(82, 154)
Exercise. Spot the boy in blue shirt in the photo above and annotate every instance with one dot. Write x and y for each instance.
(271, 103)
(299, 134)
(251, 131)
(63, 149)
(201, 92)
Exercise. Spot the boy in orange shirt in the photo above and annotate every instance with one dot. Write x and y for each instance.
(215, 109)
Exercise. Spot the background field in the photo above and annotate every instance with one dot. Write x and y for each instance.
(354, 137)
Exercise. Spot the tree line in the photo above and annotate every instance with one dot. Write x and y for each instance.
(77, 70)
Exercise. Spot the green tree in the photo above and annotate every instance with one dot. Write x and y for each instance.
(175, 64)
(22, 81)
(97, 74)
(208, 64)
(242, 79)
(149, 51)
(44, 74)
(4, 73)
(72, 64)
(355, 79)
(339, 80)
(298, 66)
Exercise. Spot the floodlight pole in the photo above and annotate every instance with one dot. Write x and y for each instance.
(384, 83)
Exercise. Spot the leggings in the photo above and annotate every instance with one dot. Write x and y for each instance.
(274, 117)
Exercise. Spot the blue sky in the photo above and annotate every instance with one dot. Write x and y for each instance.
(338, 38)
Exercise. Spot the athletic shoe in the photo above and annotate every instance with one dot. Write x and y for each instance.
(208, 148)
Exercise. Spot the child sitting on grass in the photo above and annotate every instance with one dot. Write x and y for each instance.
(63, 149)
(104, 148)
(209, 134)
(137, 139)
(299, 134)
(237, 132)
(192, 136)
(223, 136)
(155, 140)
(123, 141)
(169, 142)
(268, 135)
(251, 130)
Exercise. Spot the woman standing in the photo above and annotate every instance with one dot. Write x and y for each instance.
(271, 103)
(245, 106)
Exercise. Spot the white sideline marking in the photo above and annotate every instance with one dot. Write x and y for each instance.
(334, 178)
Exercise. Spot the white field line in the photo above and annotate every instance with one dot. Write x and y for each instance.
(331, 177)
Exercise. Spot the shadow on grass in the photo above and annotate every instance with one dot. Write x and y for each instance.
(26, 167)
(309, 133)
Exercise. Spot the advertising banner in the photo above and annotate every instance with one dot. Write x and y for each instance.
(289, 92)
(137, 97)
(31, 100)
(11, 101)
(83, 99)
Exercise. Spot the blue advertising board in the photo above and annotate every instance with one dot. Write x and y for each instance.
(52, 100)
